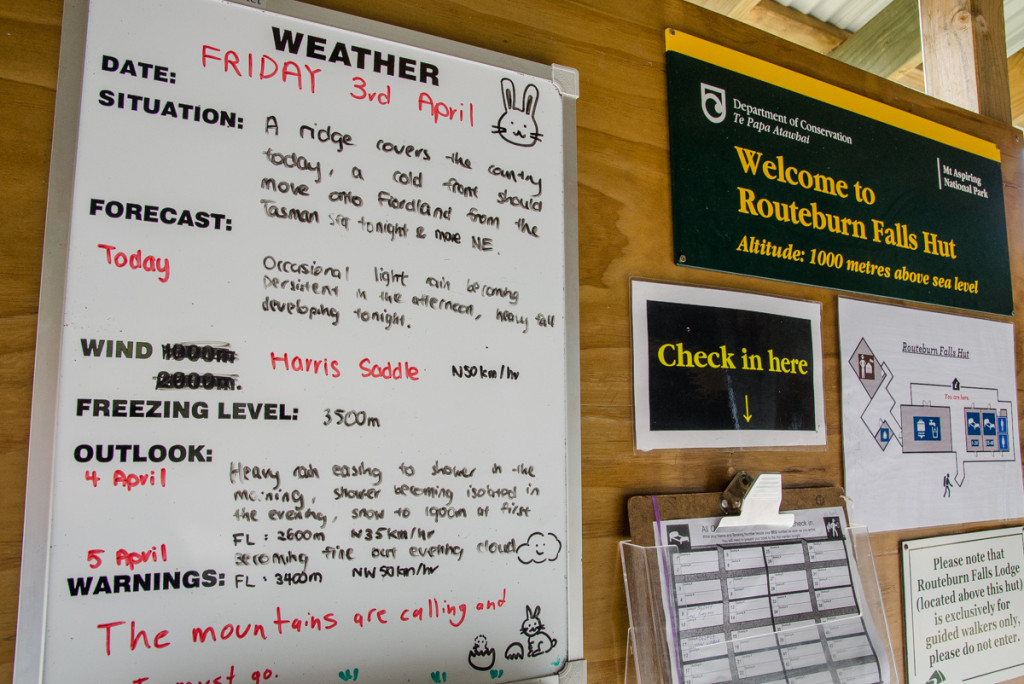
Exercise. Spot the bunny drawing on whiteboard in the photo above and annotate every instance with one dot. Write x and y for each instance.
(518, 125)
(537, 640)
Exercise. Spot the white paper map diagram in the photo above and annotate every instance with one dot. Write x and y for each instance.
(929, 417)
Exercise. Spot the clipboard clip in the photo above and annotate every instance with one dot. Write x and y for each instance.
(749, 502)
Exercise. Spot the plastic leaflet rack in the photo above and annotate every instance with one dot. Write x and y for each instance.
(752, 603)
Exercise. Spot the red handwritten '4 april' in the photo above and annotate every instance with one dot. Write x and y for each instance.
(130, 481)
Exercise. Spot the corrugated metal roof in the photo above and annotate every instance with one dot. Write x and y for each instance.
(851, 15)
(1013, 16)
(847, 15)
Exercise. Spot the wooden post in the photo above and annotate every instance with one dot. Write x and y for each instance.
(964, 50)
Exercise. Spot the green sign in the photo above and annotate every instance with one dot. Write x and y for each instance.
(779, 175)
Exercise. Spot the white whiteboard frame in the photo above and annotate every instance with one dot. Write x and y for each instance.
(32, 599)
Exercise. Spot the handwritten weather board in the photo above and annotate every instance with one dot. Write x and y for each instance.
(312, 403)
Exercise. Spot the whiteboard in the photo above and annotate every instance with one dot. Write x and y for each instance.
(306, 400)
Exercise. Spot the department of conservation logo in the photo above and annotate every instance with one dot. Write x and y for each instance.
(712, 101)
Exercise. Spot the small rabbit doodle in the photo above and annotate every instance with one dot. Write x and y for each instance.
(518, 125)
(538, 642)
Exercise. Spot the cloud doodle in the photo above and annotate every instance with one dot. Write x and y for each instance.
(539, 547)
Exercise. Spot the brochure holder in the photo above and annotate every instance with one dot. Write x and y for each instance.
(651, 636)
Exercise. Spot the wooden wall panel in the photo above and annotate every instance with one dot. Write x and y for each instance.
(625, 232)
(29, 43)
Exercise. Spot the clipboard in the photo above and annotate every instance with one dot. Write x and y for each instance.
(642, 513)
(648, 654)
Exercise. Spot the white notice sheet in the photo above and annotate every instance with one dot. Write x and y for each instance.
(930, 430)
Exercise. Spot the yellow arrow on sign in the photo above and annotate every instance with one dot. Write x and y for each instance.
(746, 401)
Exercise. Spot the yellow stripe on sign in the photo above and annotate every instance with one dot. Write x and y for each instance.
(727, 58)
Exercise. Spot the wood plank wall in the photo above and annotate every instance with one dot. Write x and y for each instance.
(625, 232)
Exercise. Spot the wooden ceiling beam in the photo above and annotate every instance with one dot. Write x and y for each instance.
(888, 45)
(897, 29)
(796, 27)
(1015, 67)
(911, 78)
(736, 9)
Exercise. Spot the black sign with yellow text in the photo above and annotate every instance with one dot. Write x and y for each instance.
(704, 370)
(779, 175)
(725, 368)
